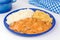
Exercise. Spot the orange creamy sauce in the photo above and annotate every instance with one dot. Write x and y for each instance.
(30, 26)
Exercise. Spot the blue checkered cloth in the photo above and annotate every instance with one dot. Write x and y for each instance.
(51, 5)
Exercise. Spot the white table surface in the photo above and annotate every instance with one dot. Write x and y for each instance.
(54, 34)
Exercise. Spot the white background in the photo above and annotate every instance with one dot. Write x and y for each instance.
(54, 34)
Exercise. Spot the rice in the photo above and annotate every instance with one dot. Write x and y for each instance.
(22, 14)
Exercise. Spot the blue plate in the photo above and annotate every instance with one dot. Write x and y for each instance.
(29, 35)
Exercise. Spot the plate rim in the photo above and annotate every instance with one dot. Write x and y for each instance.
(29, 35)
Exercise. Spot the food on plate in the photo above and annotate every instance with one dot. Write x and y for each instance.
(28, 21)
(27, 13)
(30, 26)
(42, 16)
